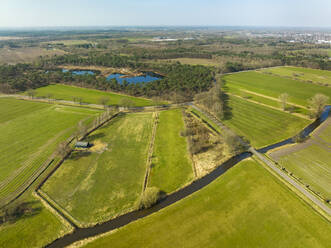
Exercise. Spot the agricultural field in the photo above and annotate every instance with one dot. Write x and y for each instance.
(310, 161)
(305, 74)
(246, 207)
(171, 164)
(261, 125)
(106, 180)
(272, 86)
(30, 133)
(35, 230)
(65, 92)
(25, 55)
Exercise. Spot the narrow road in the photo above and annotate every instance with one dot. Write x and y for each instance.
(305, 192)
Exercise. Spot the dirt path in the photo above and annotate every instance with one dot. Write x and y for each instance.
(274, 99)
(292, 182)
(150, 150)
(272, 107)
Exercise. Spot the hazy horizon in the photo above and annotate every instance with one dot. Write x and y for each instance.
(144, 13)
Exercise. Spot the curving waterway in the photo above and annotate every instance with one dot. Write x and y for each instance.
(83, 233)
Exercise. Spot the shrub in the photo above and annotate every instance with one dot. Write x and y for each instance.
(149, 197)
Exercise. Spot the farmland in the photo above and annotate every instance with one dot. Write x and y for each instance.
(272, 86)
(65, 92)
(36, 230)
(109, 176)
(305, 74)
(310, 161)
(171, 165)
(262, 125)
(247, 206)
(24, 148)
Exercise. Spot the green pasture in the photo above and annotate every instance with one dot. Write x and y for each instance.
(245, 207)
(66, 92)
(36, 230)
(29, 133)
(106, 180)
(171, 163)
(299, 73)
(312, 164)
(272, 86)
(261, 125)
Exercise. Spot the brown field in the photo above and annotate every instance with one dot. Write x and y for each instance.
(22, 55)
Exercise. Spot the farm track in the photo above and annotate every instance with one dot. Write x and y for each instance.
(272, 107)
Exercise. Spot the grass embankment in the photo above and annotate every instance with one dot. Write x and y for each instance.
(106, 180)
(313, 163)
(171, 164)
(305, 74)
(246, 207)
(29, 134)
(37, 230)
(66, 92)
(261, 125)
(272, 86)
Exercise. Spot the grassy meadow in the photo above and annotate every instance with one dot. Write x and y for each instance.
(313, 163)
(29, 133)
(245, 207)
(37, 230)
(172, 166)
(261, 125)
(306, 74)
(272, 86)
(66, 92)
(107, 179)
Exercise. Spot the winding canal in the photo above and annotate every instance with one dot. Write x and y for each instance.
(83, 233)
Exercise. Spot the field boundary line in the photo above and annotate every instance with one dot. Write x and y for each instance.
(310, 198)
(55, 208)
(269, 106)
(188, 148)
(151, 150)
(273, 98)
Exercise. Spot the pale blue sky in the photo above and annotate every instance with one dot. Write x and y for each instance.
(27, 13)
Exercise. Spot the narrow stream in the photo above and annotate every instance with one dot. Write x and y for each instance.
(83, 233)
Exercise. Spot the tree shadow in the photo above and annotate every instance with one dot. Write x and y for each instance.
(14, 212)
(75, 155)
(226, 107)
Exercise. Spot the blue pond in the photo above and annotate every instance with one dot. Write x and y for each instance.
(79, 72)
(133, 80)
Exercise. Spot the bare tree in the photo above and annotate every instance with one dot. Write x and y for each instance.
(283, 99)
(317, 103)
(103, 101)
(126, 102)
(63, 149)
(31, 93)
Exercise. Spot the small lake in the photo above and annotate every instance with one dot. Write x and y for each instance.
(133, 80)
(79, 72)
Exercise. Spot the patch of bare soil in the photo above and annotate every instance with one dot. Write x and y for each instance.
(98, 146)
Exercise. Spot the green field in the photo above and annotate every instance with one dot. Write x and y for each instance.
(106, 180)
(34, 231)
(245, 207)
(66, 92)
(272, 86)
(313, 163)
(172, 166)
(29, 134)
(262, 125)
(306, 74)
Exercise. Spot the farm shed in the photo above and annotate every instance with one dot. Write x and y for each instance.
(81, 144)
